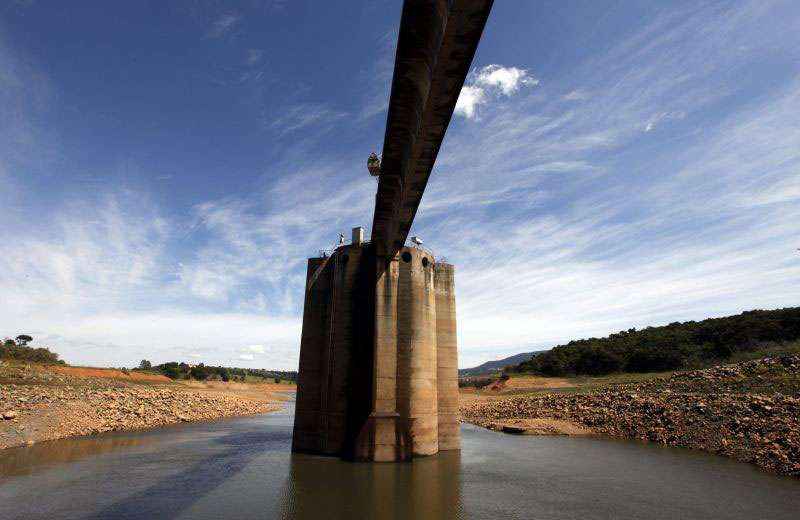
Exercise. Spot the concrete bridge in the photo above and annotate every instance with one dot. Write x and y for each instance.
(378, 357)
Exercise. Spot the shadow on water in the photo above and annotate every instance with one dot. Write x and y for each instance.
(244, 469)
(29, 459)
(175, 493)
(320, 487)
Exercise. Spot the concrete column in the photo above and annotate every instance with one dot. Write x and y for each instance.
(447, 358)
(378, 361)
(416, 353)
(309, 423)
(378, 440)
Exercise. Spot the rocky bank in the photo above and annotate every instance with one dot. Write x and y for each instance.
(748, 411)
(38, 405)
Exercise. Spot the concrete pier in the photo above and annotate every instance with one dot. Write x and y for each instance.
(446, 357)
(374, 382)
(378, 356)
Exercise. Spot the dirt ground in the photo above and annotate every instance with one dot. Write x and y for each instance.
(110, 373)
(748, 411)
(39, 402)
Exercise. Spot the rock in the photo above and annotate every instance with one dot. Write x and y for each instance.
(722, 409)
(10, 414)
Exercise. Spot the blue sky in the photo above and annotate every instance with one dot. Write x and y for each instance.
(167, 167)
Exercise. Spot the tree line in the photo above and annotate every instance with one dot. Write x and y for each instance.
(19, 350)
(670, 347)
(202, 372)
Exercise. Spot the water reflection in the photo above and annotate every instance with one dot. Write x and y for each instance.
(28, 459)
(243, 469)
(426, 488)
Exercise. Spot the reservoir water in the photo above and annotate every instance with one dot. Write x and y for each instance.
(243, 468)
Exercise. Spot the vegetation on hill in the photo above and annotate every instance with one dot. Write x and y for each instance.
(18, 349)
(671, 347)
(201, 372)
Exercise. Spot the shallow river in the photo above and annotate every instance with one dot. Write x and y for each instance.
(243, 468)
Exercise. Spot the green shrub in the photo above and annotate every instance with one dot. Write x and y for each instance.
(20, 351)
(673, 346)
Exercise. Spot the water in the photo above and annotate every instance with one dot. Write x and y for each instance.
(242, 468)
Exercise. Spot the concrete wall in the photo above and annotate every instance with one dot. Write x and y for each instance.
(335, 375)
(309, 430)
(447, 357)
(416, 352)
(378, 358)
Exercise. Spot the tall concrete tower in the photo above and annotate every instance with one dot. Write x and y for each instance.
(378, 355)
(384, 388)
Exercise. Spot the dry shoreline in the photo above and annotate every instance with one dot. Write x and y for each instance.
(40, 403)
(747, 411)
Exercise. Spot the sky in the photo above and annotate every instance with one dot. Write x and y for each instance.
(167, 167)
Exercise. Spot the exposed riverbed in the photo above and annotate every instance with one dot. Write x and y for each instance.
(243, 468)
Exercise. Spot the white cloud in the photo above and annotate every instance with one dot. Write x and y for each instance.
(781, 192)
(507, 79)
(468, 100)
(122, 337)
(576, 95)
(662, 116)
(254, 56)
(306, 115)
(561, 223)
(488, 83)
(699, 224)
(224, 25)
(376, 80)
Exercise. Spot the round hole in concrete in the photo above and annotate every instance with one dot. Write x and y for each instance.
(406, 257)
(424, 262)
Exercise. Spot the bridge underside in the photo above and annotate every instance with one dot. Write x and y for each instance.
(378, 357)
(436, 44)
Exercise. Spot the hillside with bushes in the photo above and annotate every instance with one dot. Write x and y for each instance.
(18, 350)
(675, 346)
(201, 372)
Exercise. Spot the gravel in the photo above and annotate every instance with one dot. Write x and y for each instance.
(747, 411)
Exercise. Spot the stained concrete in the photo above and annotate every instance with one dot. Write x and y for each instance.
(374, 383)
(378, 361)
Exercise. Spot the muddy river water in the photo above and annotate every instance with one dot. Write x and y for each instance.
(243, 468)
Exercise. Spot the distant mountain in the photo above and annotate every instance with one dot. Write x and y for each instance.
(494, 366)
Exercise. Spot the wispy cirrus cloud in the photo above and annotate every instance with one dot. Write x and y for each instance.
(304, 115)
(377, 78)
(224, 25)
(655, 180)
(633, 231)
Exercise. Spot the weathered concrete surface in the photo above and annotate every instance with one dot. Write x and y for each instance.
(333, 391)
(380, 321)
(373, 392)
(417, 401)
(447, 357)
(435, 47)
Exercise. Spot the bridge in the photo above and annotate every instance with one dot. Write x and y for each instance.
(435, 47)
(378, 374)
